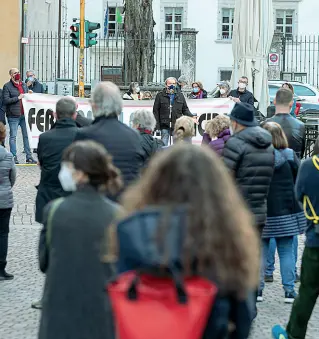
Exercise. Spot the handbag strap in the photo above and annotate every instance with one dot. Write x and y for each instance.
(307, 202)
(55, 204)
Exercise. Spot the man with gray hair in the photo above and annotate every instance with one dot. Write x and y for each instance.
(169, 105)
(50, 149)
(121, 141)
(144, 121)
(33, 83)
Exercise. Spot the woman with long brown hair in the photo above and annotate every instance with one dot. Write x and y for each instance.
(187, 205)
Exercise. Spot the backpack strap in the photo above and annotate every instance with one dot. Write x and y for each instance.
(55, 204)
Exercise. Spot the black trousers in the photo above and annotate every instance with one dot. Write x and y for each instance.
(4, 232)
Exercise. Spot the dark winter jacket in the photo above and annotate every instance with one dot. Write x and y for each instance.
(250, 156)
(7, 178)
(295, 132)
(122, 142)
(307, 184)
(50, 149)
(36, 87)
(11, 100)
(161, 109)
(82, 121)
(75, 304)
(136, 237)
(2, 108)
(245, 96)
(219, 144)
(284, 215)
(149, 144)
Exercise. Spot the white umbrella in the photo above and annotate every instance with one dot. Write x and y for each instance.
(252, 38)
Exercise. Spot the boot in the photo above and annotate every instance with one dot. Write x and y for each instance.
(5, 276)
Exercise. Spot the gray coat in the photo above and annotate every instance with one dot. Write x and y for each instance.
(75, 304)
(7, 178)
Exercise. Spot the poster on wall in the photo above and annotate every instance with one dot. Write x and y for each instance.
(39, 110)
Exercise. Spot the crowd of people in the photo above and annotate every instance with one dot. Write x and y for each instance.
(114, 199)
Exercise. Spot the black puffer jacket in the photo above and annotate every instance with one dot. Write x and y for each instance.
(250, 155)
(150, 145)
(161, 109)
(294, 130)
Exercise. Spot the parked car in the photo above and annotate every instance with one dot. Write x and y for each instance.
(303, 91)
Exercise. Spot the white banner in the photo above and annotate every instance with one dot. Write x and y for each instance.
(39, 108)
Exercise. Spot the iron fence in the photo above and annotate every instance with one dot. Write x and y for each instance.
(103, 61)
(300, 59)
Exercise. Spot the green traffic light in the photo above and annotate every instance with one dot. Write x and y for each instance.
(89, 36)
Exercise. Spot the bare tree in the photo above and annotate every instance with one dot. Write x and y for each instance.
(139, 46)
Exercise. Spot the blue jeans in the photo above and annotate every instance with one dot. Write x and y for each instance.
(270, 264)
(14, 124)
(165, 136)
(286, 255)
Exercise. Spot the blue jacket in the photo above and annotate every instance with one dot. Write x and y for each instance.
(137, 249)
(2, 108)
(308, 185)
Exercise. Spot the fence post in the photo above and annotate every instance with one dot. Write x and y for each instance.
(188, 36)
(274, 71)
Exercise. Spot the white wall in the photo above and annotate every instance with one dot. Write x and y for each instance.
(308, 23)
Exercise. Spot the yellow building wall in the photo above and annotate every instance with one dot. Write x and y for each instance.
(10, 14)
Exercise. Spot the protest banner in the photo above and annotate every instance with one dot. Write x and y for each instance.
(39, 110)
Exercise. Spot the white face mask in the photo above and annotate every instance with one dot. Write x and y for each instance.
(231, 130)
(137, 89)
(241, 85)
(222, 91)
(66, 179)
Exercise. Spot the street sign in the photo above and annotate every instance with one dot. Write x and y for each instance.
(24, 40)
(273, 59)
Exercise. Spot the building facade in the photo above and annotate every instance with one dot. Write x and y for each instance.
(10, 43)
(212, 19)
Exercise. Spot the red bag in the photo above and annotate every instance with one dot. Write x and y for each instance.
(148, 307)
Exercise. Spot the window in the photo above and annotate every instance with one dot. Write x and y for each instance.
(285, 22)
(227, 23)
(303, 91)
(115, 28)
(225, 75)
(175, 73)
(173, 21)
(111, 73)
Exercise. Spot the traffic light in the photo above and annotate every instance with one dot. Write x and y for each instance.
(75, 35)
(89, 36)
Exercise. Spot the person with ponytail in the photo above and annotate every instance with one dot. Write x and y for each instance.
(70, 249)
(184, 129)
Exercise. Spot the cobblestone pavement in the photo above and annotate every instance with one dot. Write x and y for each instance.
(19, 321)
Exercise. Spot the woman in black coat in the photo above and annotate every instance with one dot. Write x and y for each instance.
(285, 219)
(74, 302)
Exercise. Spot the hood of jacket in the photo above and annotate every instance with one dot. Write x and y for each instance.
(282, 156)
(256, 136)
(3, 153)
(138, 235)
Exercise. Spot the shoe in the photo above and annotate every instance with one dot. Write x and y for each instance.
(35, 151)
(31, 161)
(260, 297)
(269, 278)
(297, 279)
(290, 297)
(5, 276)
(16, 161)
(37, 305)
(279, 333)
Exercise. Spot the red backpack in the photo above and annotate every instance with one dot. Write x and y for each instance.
(149, 307)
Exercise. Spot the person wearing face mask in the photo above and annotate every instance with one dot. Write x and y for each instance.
(33, 83)
(71, 246)
(241, 94)
(198, 91)
(249, 155)
(169, 105)
(223, 90)
(134, 92)
(13, 92)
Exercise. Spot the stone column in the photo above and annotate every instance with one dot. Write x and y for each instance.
(274, 72)
(188, 69)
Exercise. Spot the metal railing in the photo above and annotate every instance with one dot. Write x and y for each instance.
(102, 62)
